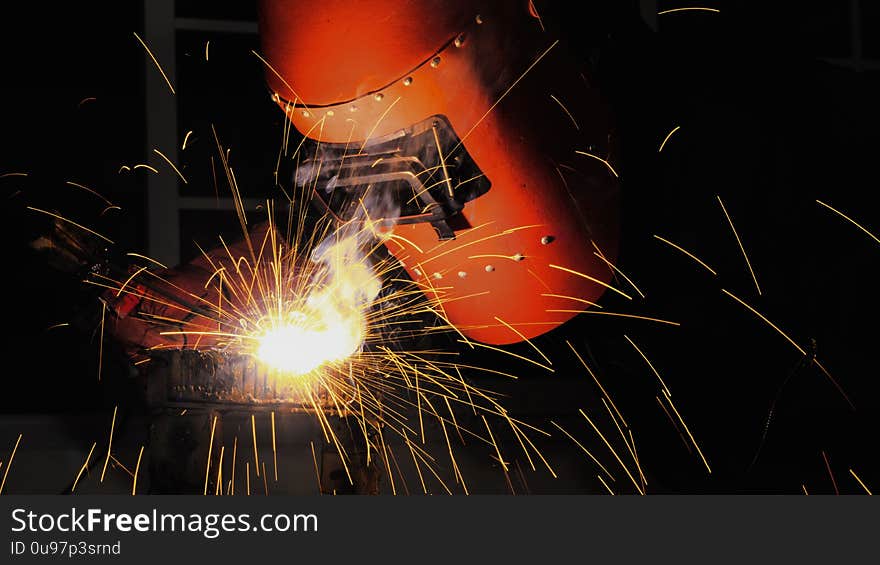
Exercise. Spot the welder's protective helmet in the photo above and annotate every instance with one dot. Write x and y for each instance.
(497, 150)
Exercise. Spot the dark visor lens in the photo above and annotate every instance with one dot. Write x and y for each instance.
(424, 171)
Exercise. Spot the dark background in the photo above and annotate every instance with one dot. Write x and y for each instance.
(776, 105)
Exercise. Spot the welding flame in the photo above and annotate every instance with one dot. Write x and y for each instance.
(329, 324)
(301, 346)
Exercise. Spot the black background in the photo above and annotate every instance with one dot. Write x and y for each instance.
(767, 123)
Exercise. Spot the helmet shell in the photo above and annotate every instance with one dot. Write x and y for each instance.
(540, 240)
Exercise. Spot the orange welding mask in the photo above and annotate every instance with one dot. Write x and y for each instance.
(495, 147)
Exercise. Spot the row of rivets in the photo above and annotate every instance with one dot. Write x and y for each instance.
(545, 240)
(435, 62)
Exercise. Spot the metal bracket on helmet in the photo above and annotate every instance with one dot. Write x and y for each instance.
(423, 172)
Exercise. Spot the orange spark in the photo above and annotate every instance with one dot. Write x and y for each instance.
(156, 62)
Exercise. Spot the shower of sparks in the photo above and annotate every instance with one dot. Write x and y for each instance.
(317, 472)
(800, 349)
(210, 452)
(651, 365)
(567, 113)
(830, 473)
(619, 315)
(315, 307)
(603, 161)
(613, 452)
(71, 222)
(219, 481)
(850, 220)
(82, 469)
(690, 9)
(573, 299)
(117, 463)
(688, 253)
(584, 449)
(627, 441)
(90, 191)
(856, 477)
(674, 424)
(525, 339)
(399, 472)
(686, 429)
(596, 380)
(172, 165)
(328, 283)
(504, 95)
(604, 484)
(591, 279)
(378, 121)
(281, 78)
(449, 188)
(256, 453)
(668, 135)
(125, 284)
(277, 286)
(9, 463)
(533, 11)
(739, 242)
(274, 452)
(156, 62)
(619, 272)
(635, 455)
(145, 166)
(514, 355)
(234, 459)
(109, 443)
(145, 258)
(101, 339)
(501, 460)
(137, 467)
